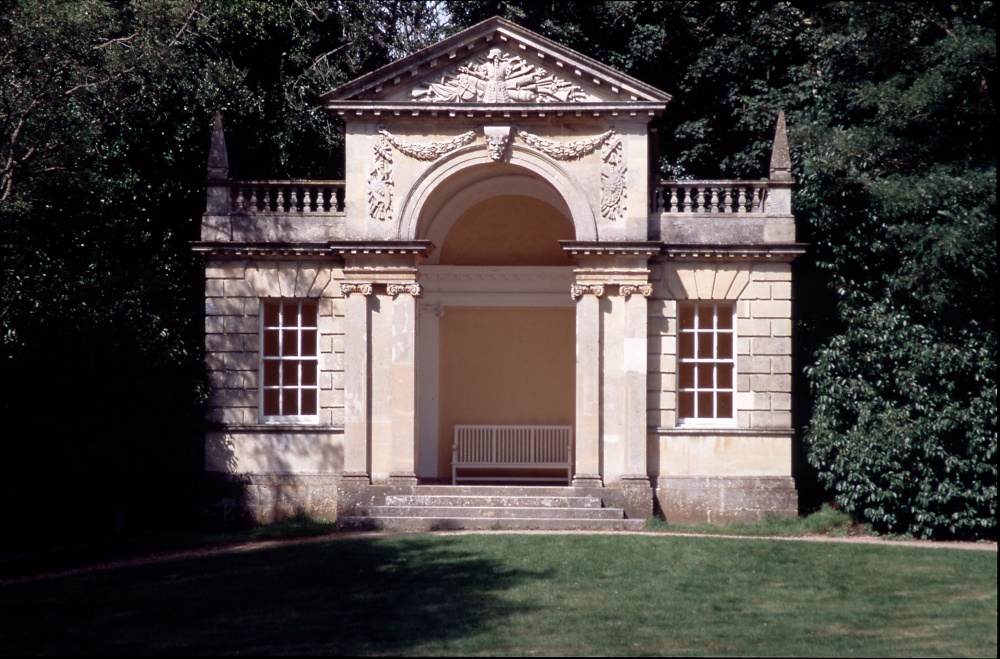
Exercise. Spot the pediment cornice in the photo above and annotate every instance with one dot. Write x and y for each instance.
(496, 68)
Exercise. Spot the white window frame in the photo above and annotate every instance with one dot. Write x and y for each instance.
(713, 388)
(306, 338)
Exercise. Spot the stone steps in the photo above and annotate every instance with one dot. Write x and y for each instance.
(436, 507)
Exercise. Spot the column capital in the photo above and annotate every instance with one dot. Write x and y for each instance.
(627, 290)
(347, 288)
(412, 288)
(579, 290)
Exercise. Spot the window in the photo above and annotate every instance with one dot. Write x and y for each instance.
(289, 362)
(706, 362)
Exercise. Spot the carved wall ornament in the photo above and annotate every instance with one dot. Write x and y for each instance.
(627, 290)
(499, 78)
(565, 150)
(613, 188)
(412, 288)
(497, 138)
(380, 183)
(613, 168)
(347, 288)
(579, 290)
(427, 150)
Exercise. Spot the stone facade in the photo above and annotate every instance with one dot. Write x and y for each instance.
(498, 255)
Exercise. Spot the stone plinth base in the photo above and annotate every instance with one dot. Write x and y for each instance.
(722, 500)
(238, 499)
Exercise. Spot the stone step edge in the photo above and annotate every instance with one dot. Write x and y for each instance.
(493, 512)
(451, 523)
(491, 501)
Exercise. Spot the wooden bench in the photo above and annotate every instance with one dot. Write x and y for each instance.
(512, 448)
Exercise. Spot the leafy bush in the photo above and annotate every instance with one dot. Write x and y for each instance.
(904, 425)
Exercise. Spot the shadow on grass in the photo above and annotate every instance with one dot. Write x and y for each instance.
(359, 596)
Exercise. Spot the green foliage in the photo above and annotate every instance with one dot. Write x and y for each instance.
(898, 188)
(105, 117)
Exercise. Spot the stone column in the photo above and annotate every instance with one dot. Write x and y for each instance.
(403, 380)
(356, 380)
(588, 384)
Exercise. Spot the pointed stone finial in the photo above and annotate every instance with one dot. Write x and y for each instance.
(781, 161)
(218, 159)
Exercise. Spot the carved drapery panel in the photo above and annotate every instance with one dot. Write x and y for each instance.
(380, 185)
(499, 78)
(613, 189)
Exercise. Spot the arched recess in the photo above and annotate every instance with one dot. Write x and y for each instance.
(496, 337)
(467, 176)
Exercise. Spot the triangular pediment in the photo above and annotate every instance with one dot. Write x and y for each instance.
(496, 63)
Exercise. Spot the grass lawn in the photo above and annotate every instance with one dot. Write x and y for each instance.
(498, 594)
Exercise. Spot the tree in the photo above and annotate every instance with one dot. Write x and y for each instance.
(105, 116)
(898, 154)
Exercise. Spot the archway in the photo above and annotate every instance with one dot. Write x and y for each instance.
(497, 324)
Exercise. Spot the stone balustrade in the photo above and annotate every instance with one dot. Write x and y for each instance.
(280, 197)
(709, 197)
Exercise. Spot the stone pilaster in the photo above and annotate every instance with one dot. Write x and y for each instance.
(403, 394)
(588, 383)
(634, 383)
(356, 379)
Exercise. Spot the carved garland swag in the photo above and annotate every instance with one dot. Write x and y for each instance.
(613, 168)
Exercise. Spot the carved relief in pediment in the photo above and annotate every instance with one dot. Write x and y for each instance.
(499, 77)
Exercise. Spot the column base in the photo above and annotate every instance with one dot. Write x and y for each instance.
(587, 480)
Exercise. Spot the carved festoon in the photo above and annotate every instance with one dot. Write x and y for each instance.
(564, 150)
(427, 150)
(499, 78)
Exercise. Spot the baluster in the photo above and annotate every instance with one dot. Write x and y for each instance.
(703, 199)
(741, 200)
(293, 193)
(688, 198)
(279, 199)
(673, 199)
(758, 200)
(236, 198)
(727, 204)
(256, 202)
(715, 200)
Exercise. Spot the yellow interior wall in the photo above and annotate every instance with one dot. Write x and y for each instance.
(508, 230)
(504, 366)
